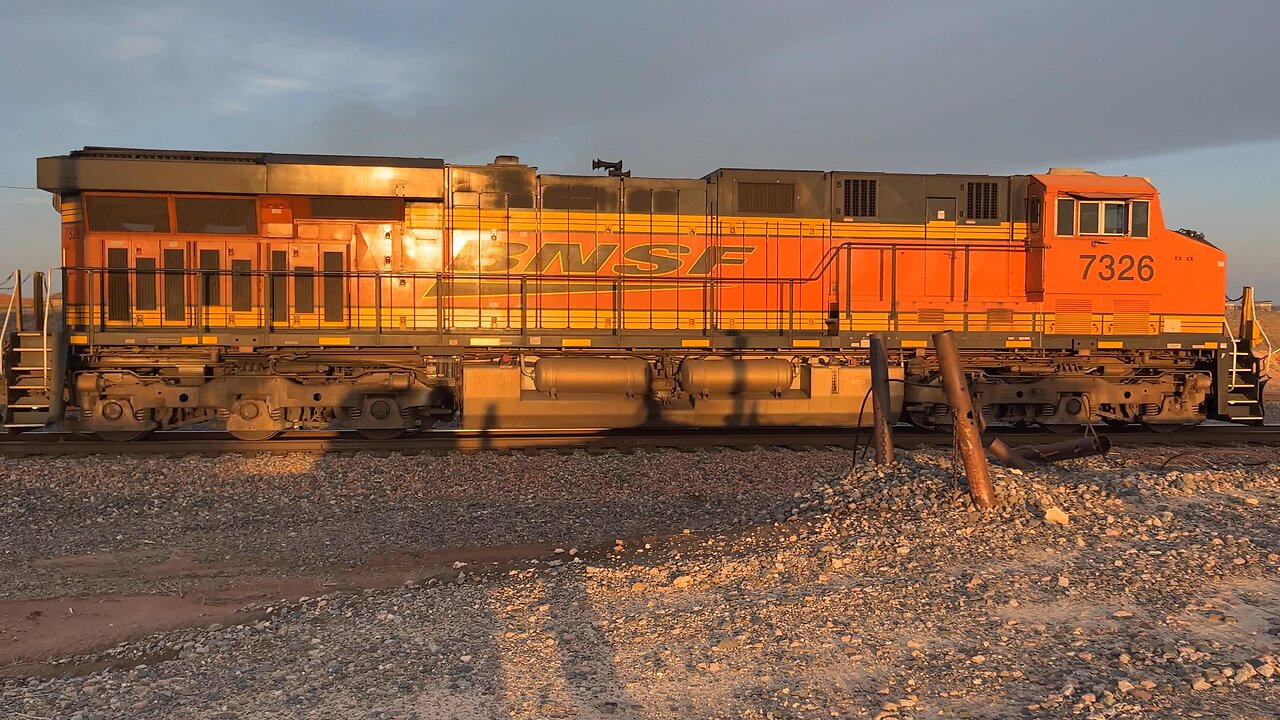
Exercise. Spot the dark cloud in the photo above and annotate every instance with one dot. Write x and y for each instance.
(673, 88)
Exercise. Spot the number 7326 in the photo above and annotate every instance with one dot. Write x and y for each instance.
(1118, 267)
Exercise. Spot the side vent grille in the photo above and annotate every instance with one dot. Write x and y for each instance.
(999, 319)
(860, 198)
(933, 317)
(983, 201)
(1133, 317)
(770, 198)
(1073, 317)
(357, 208)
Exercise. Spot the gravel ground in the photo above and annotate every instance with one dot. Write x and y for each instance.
(1140, 585)
(344, 510)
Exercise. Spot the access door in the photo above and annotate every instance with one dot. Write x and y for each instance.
(940, 252)
(307, 286)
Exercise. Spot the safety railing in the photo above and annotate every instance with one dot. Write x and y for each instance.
(16, 278)
(100, 299)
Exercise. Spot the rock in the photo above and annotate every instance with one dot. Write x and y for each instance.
(1055, 516)
(682, 581)
(1200, 685)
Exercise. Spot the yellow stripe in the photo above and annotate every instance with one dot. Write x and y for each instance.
(209, 339)
(190, 339)
(1017, 343)
(915, 343)
(484, 341)
(79, 339)
(702, 342)
(333, 340)
(1110, 344)
(806, 343)
(575, 342)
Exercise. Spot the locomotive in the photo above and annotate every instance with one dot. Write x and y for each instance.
(267, 292)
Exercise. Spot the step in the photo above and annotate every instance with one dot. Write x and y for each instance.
(1244, 401)
(28, 406)
(31, 341)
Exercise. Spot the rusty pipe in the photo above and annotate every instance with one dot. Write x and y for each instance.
(882, 433)
(1008, 455)
(966, 432)
(1066, 449)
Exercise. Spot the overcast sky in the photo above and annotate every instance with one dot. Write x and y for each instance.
(1186, 92)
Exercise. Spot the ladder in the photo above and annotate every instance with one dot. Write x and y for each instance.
(1248, 355)
(28, 358)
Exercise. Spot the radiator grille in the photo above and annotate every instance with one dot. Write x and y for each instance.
(1073, 317)
(983, 201)
(228, 216)
(772, 198)
(127, 214)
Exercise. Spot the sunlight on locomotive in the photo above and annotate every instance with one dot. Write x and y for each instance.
(422, 248)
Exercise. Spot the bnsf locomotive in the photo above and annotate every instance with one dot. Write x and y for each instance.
(269, 292)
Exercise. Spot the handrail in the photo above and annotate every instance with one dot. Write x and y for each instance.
(4, 330)
(47, 281)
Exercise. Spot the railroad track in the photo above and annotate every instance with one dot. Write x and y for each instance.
(690, 439)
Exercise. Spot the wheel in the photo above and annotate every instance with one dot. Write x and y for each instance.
(1062, 428)
(1115, 423)
(120, 435)
(252, 435)
(1163, 427)
(926, 421)
(380, 433)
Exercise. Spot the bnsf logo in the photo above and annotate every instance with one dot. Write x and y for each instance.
(568, 258)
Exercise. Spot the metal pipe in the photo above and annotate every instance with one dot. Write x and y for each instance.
(1008, 455)
(966, 426)
(882, 434)
(1067, 449)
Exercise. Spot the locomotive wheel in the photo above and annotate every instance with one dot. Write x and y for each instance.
(252, 435)
(120, 435)
(1062, 428)
(380, 433)
(925, 421)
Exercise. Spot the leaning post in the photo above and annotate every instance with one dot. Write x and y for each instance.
(37, 299)
(966, 426)
(882, 433)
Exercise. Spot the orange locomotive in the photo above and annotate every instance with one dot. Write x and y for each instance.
(285, 291)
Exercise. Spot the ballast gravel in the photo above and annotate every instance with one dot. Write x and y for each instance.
(810, 585)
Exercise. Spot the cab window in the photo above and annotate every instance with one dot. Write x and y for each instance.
(1139, 218)
(1066, 216)
(1113, 217)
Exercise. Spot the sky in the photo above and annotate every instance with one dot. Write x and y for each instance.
(1185, 92)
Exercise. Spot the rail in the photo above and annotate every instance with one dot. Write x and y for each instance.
(180, 442)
